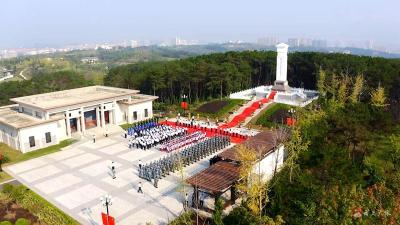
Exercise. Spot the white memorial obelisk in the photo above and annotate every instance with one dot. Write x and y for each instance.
(281, 83)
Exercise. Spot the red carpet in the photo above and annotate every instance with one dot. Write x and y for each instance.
(209, 133)
(234, 122)
(248, 111)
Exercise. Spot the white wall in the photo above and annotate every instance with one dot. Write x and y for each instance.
(38, 132)
(139, 108)
(9, 136)
(267, 166)
(120, 111)
(62, 130)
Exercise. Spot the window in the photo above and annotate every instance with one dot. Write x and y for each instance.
(38, 114)
(48, 137)
(146, 113)
(134, 115)
(32, 141)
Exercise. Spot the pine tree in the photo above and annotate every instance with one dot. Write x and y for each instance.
(217, 215)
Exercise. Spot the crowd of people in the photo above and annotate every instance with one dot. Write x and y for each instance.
(154, 135)
(193, 153)
(182, 141)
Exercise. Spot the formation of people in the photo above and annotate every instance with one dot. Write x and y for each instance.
(182, 141)
(154, 135)
(155, 170)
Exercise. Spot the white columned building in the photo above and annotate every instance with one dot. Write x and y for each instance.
(38, 121)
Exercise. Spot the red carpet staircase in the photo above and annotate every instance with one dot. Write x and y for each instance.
(248, 111)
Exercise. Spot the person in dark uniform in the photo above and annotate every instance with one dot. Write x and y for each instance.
(113, 170)
(140, 188)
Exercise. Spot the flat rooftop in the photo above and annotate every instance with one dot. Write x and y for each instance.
(139, 98)
(10, 116)
(75, 96)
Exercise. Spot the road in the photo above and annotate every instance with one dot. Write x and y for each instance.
(21, 74)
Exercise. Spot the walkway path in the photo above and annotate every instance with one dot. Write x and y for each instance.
(22, 75)
(249, 110)
(75, 178)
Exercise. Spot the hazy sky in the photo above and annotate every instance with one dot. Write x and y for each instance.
(27, 23)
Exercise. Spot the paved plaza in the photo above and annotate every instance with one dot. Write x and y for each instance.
(75, 179)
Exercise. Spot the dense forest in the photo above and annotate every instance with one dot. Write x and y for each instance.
(48, 82)
(210, 76)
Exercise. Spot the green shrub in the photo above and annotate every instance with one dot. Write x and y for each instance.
(38, 206)
(217, 215)
(5, 223)
(183, 219)
(266, 119)
(7, 188)
(22, 221)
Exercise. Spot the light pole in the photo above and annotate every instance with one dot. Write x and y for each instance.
(106, 201)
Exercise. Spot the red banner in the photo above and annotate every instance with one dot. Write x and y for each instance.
(107, 220)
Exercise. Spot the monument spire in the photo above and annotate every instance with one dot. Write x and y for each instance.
(281, 83)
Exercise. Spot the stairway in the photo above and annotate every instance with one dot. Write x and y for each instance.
(271, 95)
(100, 131)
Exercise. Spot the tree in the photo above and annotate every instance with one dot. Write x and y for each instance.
(343, 89)
(357, 89)
(295, 146)
(217, 214)
(378, 97)
(252, 183)
(3, 159)
(321, 83)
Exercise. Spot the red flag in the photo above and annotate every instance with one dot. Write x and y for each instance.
(184, 105)
(107, 220)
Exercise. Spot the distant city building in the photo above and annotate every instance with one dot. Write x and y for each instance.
(294, 42)
(90, 60)
(267, 41)
(300, 42)
(6, 74)
(134, 44)
(104, 46)
(179, 41)
(305, 42)
(319, 43)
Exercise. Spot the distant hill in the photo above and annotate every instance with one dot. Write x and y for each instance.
(28, 66)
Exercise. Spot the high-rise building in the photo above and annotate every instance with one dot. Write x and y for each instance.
(267, 41)
(179, 41)
(294, 42)
(134, 44)
(319, 43)
(305, 42)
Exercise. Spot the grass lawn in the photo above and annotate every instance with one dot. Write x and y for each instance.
(273, 115)
(217, 108)
(14, 156)
(26, 199)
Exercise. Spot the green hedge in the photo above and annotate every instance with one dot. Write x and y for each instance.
(22, 221)
(38, 206)
(5, 223)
